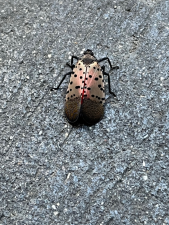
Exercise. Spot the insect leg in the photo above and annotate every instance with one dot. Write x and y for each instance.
(106, 58)
(73, 57)
(69, 73)
(104, 73)
(72, 65)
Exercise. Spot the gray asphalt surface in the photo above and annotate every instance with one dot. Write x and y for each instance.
(115, 172)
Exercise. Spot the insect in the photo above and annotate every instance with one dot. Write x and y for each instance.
(85, 97)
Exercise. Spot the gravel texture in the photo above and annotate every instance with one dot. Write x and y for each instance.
(115, 172)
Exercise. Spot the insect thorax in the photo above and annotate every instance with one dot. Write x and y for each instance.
(88, 59)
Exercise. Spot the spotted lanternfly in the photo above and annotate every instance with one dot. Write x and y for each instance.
(85, 97)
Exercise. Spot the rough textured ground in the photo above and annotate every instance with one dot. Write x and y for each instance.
(115, 172)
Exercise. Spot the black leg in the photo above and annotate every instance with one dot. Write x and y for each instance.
(106, 58)
(52, 89)
(104, 73)
(72, 66)
(115, 67)
(69, 73)
(73, 57)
